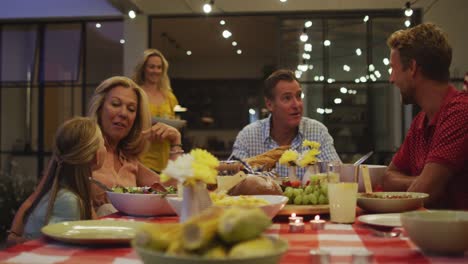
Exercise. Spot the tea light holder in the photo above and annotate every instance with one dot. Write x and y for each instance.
(319, 256)
(317, 223)
(297, 226)
(293, 218)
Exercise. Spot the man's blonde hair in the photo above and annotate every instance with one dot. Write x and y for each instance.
(428, 45)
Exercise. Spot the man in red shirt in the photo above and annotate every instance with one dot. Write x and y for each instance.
(434, 155)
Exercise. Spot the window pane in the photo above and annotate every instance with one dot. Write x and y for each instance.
(382, 28)
(62, 52)
(293, 49)
(61, 103)
(104, 52)
(346, 36)
(17, 51)
(16, 131)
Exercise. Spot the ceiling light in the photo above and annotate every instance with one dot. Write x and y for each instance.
(227, 34)
(239, 51)
(321, 78)
(363, 79)
(371, 67)
(357, 80)
(328, 110)
(234, 43)
(283, 1)
(308, 24)
(222, 22)
(208, 7)
(305, 56)
(252, 111)
(337, 100)
(311, 67)
(189, 52)
(320, 111)
(308, 47)
(358, 51)
(304, 37)
(327, 43)
(343, 90)
(366, 18)
(122, 41)
(316, 78)
(131, 14)
(346, 68)
(377, 74)
(98, 25)
(389, 70)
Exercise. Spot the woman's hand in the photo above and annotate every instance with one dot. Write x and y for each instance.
(161, 131)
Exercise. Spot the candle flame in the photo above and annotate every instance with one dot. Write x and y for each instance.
(293, 215)
(317, 217)
(297, 221)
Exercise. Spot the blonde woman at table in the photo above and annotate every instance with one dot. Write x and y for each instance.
(120, 107)
(151, 75)
(64, 193)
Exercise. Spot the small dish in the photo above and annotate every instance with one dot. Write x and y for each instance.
(382, 220)
(177, 123)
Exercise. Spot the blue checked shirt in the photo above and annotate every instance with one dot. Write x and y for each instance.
(255, 139)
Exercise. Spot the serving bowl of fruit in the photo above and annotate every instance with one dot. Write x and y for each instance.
(141, 201)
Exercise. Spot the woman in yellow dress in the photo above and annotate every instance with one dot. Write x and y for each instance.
(151, 75)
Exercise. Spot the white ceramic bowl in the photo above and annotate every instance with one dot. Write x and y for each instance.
(275, 203)
(141, 204)
(376, 173)
(391, 205)
(177, 123)
(151, 256)
(440, 232)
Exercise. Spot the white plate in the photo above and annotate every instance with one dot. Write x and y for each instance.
(106, 231)
(177, 123)
(387, 220)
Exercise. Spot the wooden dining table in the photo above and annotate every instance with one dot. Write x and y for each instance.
(339, 241)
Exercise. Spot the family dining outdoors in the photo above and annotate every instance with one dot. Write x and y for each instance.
(119, 143)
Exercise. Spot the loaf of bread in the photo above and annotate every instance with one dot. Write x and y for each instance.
(267, 160)
(256, 185)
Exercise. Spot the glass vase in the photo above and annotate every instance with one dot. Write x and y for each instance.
(195, 199)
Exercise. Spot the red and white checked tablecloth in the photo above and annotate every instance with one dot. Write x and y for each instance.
(341, 241)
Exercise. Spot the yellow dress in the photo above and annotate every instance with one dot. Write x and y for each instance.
(157, 155)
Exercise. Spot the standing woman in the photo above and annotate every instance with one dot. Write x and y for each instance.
(151, 75)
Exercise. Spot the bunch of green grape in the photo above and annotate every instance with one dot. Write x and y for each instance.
(316, 192)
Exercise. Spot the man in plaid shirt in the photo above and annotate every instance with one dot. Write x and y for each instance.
(285, 125)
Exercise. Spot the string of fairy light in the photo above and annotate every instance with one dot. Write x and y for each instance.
(372, 73)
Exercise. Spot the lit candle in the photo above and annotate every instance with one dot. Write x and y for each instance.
(317, 223)
(293, 218)
(296, 226)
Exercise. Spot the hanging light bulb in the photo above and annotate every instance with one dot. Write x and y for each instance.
(327, 43)
(308, 24)
(366, 18)
(189, 52)
(371, 67)
(408, 10)
(304, 36)
(358, 52)
(208, 7)
(407, 23)
(386, 61)
(227, 34)
(308, 47)
(346, 68)
(222, 22)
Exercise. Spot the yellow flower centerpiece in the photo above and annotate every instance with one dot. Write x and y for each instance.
(289, 159)
(194, 171)
(309, 159)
